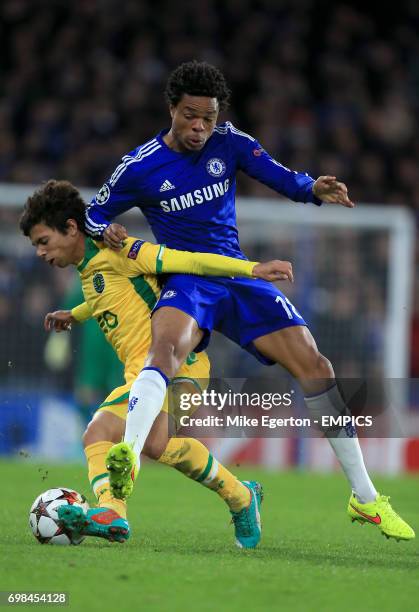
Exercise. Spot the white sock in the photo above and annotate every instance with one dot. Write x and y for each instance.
(344, 442)
(146, 400)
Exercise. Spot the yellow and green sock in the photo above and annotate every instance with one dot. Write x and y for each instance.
(99, 477)
(194, 460)
(186, 455)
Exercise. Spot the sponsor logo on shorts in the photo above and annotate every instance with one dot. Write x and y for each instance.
(103, 194)
(98, 282)
(133, 252)
(168, 294)
(216, 167)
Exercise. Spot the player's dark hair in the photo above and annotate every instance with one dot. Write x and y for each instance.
(53, 204)
(197, 79)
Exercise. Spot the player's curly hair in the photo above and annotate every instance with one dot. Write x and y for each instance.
(53, 204)
(197, 79)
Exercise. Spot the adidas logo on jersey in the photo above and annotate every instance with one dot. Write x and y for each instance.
(167, 185)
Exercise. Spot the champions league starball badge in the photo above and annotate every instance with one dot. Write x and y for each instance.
(103, 194)
(216, 167)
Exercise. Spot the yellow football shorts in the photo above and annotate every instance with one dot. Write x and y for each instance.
(193, 375)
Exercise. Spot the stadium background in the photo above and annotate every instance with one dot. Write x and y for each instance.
(326, 89)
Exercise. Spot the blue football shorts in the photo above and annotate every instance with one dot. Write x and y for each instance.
(240, 308)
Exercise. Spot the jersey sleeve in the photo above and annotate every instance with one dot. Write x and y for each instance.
(257, 163)
(81, 312)
(140, 257)
(202, 264)
(120, 193)
(135, 258)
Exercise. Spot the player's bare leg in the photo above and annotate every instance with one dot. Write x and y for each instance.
(295, 349)
(175, 335)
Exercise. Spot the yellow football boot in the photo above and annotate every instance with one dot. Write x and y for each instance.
(381, 514)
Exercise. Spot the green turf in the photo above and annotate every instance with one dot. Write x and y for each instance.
(181, 554)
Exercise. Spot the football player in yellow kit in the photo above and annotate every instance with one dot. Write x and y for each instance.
(120, 290)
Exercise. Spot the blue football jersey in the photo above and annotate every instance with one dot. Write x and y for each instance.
(189, 198)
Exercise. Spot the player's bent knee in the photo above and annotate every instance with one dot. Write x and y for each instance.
(166, 356)
(315, 367)
(154, 449)
(103, 426)
(91, 435)
(163, 349)
(319, 367)
(323, 367)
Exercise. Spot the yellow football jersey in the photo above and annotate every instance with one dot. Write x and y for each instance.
(120, 288)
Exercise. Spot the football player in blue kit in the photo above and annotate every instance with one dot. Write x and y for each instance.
(184, 181)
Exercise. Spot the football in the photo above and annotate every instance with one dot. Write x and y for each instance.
(43, 517)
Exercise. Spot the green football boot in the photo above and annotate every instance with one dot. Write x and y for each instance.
(122, 466)
(247, 524)
(99, 522)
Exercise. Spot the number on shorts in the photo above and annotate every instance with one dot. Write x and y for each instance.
(288, 306)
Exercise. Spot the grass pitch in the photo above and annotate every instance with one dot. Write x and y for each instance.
(182, 556)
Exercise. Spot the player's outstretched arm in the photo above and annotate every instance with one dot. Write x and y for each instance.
(297, 186)
(329, 189)
(212, 264)
(139, 257)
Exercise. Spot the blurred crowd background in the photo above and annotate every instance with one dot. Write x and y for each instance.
(326, 87)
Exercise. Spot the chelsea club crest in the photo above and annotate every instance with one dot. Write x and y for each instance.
(216, 167)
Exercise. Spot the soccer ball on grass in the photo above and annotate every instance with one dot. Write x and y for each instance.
(43, 517)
